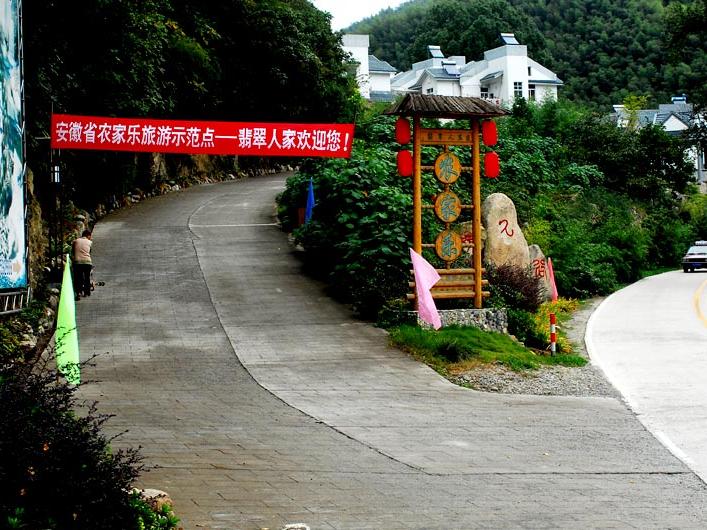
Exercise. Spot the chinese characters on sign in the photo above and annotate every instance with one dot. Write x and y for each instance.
(539, 268)
(448, 206)
(504, 230)
(447, 168)
(201, 137)
(448, 245)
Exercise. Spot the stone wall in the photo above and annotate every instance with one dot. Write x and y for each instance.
(485, 319)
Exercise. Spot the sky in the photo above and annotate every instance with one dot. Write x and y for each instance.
(346, 12)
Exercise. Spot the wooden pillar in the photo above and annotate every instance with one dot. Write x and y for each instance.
(476, 201)
(417, 188)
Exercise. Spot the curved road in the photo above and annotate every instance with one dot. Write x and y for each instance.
(259, 402)
(651, 341)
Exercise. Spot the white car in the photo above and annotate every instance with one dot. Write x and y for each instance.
(696, 257)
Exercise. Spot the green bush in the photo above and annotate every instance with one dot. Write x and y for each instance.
(149, 519)
(514, 287)
(57, 470)
(521, 325)
(358, 237)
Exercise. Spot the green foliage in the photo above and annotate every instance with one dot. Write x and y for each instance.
(149, 519)
(12, 327)
(522, 326)
(271, 60)
(562, 309)
(605, 203)
(359, 233)
(57, 470)
(401, 36)
(456, 344)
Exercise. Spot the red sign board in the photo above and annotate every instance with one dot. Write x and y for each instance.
(201, 137)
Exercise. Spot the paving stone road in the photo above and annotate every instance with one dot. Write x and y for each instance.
(259, 402)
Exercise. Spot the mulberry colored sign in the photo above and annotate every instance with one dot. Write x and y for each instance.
(201, 137)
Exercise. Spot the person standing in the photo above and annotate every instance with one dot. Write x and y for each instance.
(81, 258)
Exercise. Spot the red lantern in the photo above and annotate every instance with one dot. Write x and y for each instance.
(404, 163)
(492, 167)
(402, 131)
(489, 132)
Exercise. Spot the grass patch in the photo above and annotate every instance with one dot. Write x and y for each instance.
(455, 349)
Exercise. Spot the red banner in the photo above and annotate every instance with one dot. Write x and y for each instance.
(201, 137)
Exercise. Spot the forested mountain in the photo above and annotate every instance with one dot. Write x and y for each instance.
(602, 49)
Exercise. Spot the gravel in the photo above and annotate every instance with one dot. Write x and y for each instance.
(587, 380)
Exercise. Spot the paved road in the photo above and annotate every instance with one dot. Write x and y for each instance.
(260, 402)
(651, 341)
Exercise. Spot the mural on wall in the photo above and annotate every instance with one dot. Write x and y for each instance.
(13, 273)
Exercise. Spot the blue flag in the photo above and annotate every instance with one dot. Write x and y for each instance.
(310, 202)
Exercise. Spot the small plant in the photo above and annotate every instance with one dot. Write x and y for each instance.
(452, 348)
(151, 519)
(514, 287)
(57, 470)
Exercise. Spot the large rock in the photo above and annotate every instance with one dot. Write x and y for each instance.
(155, 498)
(505, 243)
(538, 263)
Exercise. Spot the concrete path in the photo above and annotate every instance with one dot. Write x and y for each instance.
(260, 402)
(651, 341)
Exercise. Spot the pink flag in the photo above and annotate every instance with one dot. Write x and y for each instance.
(425, 277)
(553, 287)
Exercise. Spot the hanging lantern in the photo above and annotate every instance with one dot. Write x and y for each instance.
(402, 131)
(489, 132)
(492, 167)
(405, 163)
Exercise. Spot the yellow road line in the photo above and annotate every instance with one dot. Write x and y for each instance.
(696, 299)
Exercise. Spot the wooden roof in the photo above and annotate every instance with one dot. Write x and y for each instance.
(454, 107)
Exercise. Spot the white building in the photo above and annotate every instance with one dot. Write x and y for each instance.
(372, 75)
(503, 74)
(675, 117)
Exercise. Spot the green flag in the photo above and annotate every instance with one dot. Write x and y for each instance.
(67, 337)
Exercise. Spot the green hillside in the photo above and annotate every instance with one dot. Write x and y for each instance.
(602, 49)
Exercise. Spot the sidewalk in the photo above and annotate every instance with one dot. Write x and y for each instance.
(258, 401)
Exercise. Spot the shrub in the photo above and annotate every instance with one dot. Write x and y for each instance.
(521, 325)
(149, 519)
(563, 309)
(57, 471)
(514, 287)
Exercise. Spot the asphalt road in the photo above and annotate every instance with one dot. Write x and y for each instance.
(650, 339)
(258, 401)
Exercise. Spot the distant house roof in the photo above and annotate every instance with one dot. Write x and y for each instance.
(492, 76)
(431, 106)
(681, 111)
(376, 65)
(546, 81)
(442, 73)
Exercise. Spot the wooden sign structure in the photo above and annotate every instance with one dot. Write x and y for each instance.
(455, 282)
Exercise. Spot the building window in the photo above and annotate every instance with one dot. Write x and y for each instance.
(484, 92)
(531, 92)
(430, 90)
(518, 89)
(529, 74)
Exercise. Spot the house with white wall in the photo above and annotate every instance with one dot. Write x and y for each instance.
(357, 47)
(372, 75)
(380, 74)
(502, 75)
(675, 117)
